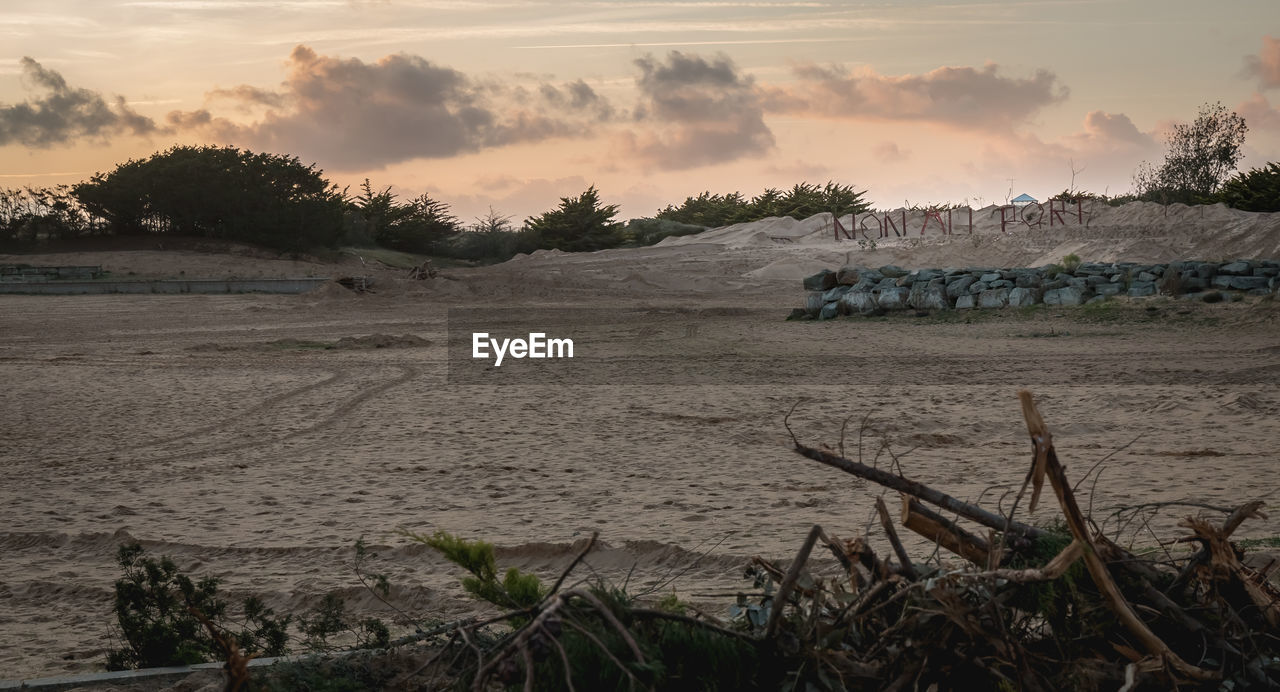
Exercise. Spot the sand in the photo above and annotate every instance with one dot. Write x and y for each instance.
(218, 430)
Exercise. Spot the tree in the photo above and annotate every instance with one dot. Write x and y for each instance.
(580, 224)
(1257, 190)
(218, 192)
(1200, 156)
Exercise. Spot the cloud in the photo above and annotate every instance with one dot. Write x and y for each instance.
(979, 98)
(62, 113)
(352, 115)
(1104, 130)
(1258, 113)
(696, 112)
(889, 152)
(1266, 64)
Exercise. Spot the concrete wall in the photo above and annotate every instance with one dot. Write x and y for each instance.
(167, 286)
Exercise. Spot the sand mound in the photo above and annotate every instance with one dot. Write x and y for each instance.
(382, 341)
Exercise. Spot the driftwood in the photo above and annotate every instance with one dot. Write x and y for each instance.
(946, 533)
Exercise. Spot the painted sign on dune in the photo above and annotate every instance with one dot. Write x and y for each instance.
(1034, 215)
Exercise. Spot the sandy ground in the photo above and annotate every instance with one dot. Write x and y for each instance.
(186, 423)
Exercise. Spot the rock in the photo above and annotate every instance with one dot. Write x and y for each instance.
(1239, 283)
(849, 275)
(1211, 296)
(989, 278)
(1140, 289)
(859, 303)
(1054, 283)
(1087, 268)
(1206, 270)
(1147, 276)
(978, 287)
(1029, 280)
(871, 275)
(960, 286)
(1002, 283)
(1023, 297)
(1095, 280)
(894, 298)
(1108, 289)
(1079, 282)
(822, 281)
(834, 294)
(799, 314)
(813, 302)
(893, 270)
(1258, 292)
(829, 311)
(966, 302)
(1191, 282)
(929, 295)
(1238, 268)
(928, 275)
(994, 298)
(864, 285)
(887, 283)
(906, 280)
(1266, 271)
(1068, 295)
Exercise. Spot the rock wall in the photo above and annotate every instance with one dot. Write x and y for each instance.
(854, 290)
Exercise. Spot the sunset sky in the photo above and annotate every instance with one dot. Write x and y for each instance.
(515, 103)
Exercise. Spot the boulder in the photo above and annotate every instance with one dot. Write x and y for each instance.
(834, 294)
(894, 298)
(1055, 283)
(978, 287)
(822, 281)
(966, 302)
(994, 298)
(813, 302)
(1266, 271)
(887, 283)
(960, 286)
(1002, 283)
(893, 270)
(1096, 280)
(1068, 295)
(1238, 268)
(1140, 289)
(1023, 297)
(1191, 282)
(859, 303)
(1147, 276)
(829, 311)
(1028, 280)
(928, 275)
(929, 295)
(990, 278)
(1109, 289)
(849, 275)
(1238, 282)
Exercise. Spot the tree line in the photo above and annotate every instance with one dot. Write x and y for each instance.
(276, 201)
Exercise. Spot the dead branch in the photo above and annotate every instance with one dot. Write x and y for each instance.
(908, 568)
(943, 531)
(905, 485)
(1155, 646)
(789, 582)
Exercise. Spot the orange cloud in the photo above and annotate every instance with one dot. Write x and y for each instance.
(1266, 64)
(978, 98)
(355, 115)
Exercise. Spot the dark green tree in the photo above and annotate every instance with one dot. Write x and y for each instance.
(579, 224)
(1200, 157)
(1257, 190)
(218, 192)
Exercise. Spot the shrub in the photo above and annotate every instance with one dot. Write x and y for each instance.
(1257, 190)
(162, 612)
(579, 224)
(218, 192)
(1070, 263)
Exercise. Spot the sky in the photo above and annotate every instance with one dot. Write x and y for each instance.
(513, 104)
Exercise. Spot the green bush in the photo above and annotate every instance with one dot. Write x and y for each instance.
(1257, 190)
(161, 614)
(579, 224)
(218, 192)
(800, 202)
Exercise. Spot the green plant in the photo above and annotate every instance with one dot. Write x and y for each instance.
(1070, 263)
(516, 589)
(161, 614)
(579, 224)
(1200, 156)
(1257, 190)
(329, 619)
